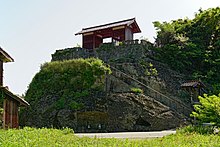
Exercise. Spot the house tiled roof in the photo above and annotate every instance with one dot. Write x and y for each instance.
(21, 101)
(5, 57)
(193, 84)
(127, 22)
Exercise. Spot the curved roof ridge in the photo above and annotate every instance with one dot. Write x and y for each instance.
(110, 25)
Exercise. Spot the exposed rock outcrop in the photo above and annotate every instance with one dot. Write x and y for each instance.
(137, 112)
(115, 108)
(115, 112)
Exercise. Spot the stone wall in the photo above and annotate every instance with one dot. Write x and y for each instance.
(108, 52)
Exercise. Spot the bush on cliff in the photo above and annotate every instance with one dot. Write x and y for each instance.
(68, 80)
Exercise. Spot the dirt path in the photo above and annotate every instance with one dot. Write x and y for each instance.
(130, 135)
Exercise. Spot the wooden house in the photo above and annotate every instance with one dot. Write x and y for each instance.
(120, 31)
(11, 102)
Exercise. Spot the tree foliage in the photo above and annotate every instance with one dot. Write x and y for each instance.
(208, 111)
(192, 45)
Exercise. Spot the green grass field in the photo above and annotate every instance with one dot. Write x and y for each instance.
(52, 137)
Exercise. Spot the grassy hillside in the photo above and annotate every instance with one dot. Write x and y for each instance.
(53, 137)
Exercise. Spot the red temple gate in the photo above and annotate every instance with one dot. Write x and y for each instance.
(92, 37)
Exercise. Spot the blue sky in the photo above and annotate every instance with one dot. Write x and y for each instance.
(32, 30)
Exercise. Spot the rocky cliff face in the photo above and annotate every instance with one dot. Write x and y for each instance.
(137, 112)
(162, 104)
(112, 113)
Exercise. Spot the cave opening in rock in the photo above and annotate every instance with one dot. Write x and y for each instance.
(140, 121)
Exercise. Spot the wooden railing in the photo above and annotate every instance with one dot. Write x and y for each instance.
(172, 103)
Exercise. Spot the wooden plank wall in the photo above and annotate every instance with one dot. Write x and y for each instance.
(10, 115)
(1, 73)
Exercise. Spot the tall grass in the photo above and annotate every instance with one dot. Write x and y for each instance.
(31, 137)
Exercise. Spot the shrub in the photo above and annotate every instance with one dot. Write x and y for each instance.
(136, 90)
(69, 79)
(62, 85)
(208, 111)
(67, 131)
(149, 69)
(1, 111)
(197, 129)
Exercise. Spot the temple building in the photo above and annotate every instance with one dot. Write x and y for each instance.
(118, 31)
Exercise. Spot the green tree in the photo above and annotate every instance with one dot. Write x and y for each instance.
(192, 46)
(208, 111)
